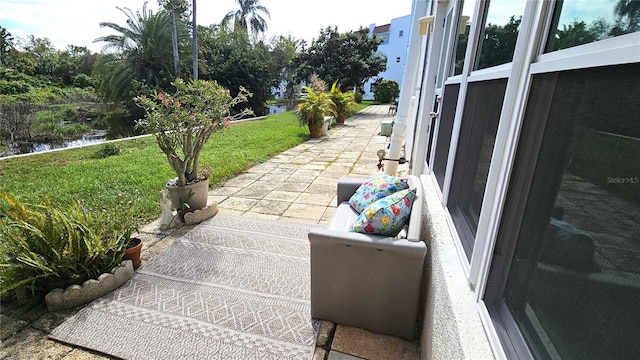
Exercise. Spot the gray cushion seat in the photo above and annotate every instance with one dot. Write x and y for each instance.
(368, 281)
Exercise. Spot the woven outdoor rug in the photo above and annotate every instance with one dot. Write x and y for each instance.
(231, 288)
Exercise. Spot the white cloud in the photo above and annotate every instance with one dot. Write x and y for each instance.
(76, 22)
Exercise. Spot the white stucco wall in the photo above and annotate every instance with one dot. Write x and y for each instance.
(451, 324)
(396, 47)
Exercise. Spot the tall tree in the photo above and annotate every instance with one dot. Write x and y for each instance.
(233, 61)
(6, 44)
(631, 10)
(143, 53)
(350, 58)
(194, 42)
(176, 9)
(248, 16)
(283, 52)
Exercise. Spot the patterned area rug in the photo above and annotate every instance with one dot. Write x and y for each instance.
(231, 288)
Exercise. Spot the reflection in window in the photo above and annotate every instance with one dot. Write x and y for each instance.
(500, 32)
(480, 117)
(448, 113)
(574, 281)
(464, 27)
(577, 22)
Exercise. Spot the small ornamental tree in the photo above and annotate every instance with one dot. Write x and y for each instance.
(387, 91)
(184, 121)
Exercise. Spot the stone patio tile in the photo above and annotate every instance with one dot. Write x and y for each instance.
(323, 199)
(224, 191)
(307, 172)
(325, 181)
(216, 198)
(304, 211)
(297, 178)
(328, 213)
(315, 166)
(231, 211)
(262, 216)
(264, 167)
(275, 177)
(302, 160)
(237, 203)
(336, 355)
(294, 186)
(239, 183)
(282, 170)
(270, 207)
(258, 189)
(248, 176)
(289, 196)
(365, 344)
(321, 189)
(290, 166)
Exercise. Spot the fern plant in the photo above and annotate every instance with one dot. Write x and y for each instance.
(44, 246)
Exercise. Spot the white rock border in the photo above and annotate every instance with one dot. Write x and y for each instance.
(74, 295)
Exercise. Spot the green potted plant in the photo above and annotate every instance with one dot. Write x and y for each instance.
(312, 109)
(182, 123)
(344, 102)
(45, 247)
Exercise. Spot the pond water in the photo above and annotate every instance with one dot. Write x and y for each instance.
(278, 108)
(95, 137)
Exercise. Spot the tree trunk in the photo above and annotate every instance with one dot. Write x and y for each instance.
(195, 44)
(174, 45)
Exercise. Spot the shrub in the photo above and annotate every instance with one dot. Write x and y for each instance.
(107, 150)
(82, 81)
(45, 247)
(358, 97)
(386, 91)
(14, 87)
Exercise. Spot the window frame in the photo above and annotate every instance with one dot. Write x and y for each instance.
(486, 265)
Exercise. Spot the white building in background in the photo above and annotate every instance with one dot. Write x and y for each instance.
(394, 46)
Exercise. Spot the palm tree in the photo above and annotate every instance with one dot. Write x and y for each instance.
(248, 16)
(194, 43)
(142, 53)
(631, 10)
(176, 8)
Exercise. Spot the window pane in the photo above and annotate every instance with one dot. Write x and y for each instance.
(574, 282)
(500, 32)
(480, 118)
(578, 22)
(448, 112)
(463, 36)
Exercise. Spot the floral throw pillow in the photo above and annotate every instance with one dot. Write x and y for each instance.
(376, 187)
(386, 216)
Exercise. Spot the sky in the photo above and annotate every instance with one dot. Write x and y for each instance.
(76, 22)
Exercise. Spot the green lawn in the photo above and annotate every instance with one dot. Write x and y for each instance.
(132, 181)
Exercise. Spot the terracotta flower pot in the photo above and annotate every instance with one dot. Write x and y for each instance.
(315, 130)
(341, 118)
(133, 252)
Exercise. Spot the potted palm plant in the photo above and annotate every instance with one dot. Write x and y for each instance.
(312, 109)
(344, 102)
(182, 123)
